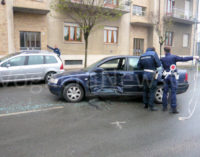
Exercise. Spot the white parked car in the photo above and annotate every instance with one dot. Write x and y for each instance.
(29, 65)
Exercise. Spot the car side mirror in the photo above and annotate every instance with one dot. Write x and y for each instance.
(7, 65)
(98, 70)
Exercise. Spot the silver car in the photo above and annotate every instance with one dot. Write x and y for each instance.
(29, 65)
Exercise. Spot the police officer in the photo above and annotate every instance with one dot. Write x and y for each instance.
(55, 50)
(149, 62)
(169, 62)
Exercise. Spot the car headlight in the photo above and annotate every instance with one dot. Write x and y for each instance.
(54, 81)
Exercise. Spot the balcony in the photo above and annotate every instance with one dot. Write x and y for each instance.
(180, 16)
(31, 6)
(141, 18)
(122, 5)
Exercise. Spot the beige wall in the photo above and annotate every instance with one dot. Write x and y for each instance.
(37, 4)
(96, 39)
(3, 30)
(179, 30)
(138, 32)
(30, 22)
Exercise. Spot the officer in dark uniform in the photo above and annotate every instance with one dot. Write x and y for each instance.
(149, 62)
(170, 77)
(55, 50)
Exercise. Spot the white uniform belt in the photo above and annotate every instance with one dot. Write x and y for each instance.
(149, 70)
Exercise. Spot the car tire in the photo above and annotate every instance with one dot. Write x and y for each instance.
(48, 76)
(73, 92)
(159, 94)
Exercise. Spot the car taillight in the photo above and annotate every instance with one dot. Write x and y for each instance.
(61, 67)
(186, 76)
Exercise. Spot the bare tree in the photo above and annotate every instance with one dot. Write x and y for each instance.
(87, 13)
(161, 26)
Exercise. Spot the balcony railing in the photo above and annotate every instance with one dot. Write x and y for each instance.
(139, 13)
(123, 5)
(181, 14)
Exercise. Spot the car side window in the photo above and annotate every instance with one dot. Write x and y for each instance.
(35, 59)
(50, 60)
(132, 64)
(114, 64)
(17, 61)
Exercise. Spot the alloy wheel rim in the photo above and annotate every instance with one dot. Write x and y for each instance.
(159, 94)
(74, 93)
(49, 76)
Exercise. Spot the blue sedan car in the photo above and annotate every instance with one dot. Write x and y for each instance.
(111, 76)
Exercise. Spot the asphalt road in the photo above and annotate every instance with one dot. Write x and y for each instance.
(88, 129)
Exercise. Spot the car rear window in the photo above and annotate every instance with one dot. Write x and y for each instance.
(35, 59)
(50, 60)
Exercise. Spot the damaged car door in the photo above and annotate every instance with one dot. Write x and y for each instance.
(107, 78)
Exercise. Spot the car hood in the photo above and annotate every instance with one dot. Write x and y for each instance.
(71, 73)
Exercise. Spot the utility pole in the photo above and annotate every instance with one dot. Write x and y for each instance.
(195, 28)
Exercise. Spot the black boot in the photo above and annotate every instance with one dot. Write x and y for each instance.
(164, 109)
(175, 111)
(153, 109)
(145, 106)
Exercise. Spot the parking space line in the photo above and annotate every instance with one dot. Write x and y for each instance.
(31, 111)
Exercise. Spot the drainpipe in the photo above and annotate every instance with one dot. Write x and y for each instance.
(195, 29)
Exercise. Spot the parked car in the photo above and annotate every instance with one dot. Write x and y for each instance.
(29, 65)
(112, 76)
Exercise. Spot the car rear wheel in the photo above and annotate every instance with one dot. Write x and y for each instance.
(159, 95)
(48, 76)
(73, 92)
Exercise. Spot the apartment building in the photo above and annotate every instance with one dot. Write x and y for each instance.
(176, 20)
(32, 24)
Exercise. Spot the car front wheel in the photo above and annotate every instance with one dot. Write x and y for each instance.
(73, 92)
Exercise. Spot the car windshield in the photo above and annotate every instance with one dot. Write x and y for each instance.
(8, 56)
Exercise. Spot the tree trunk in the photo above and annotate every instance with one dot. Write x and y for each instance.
(160, 50)
(86, 51)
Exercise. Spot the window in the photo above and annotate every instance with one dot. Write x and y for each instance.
(110, 34)
(17, 61)
(30, 41)
(139, 11)
(72, 32)
(50, 60)
(185, 40)
(110, 2)
(169, 38)
(132, 64)
(170, 6)
(138, 46)
(73, 62)
(115, 64)
(36, 59)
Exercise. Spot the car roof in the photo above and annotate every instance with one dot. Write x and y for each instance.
(120, 56)
(35, 52)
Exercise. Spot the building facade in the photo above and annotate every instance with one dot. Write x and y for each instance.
(33, 24)
(175, 20)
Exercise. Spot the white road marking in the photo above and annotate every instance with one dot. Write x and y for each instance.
(118, 124)
(190, 113)
(32, 111)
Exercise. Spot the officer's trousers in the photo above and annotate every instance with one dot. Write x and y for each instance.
(170, 83)
(149, 92)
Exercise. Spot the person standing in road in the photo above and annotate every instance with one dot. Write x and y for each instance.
(170, 75)
(55, 50)
(149, 62)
